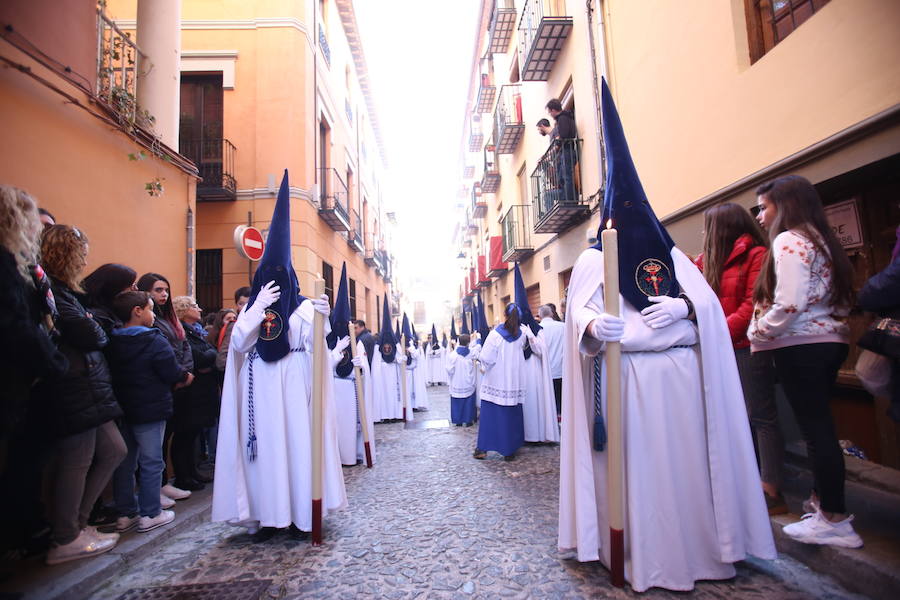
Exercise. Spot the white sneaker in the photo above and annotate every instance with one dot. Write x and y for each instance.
(124, 524)
(165, 501)
(814, 528)
(163, 518)
(83, 546)
(99, 535)
(174, 493)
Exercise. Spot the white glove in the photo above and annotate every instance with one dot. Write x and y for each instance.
(357, 361)
(342, 343)
(321, 306)
(608, 328)
(665, 311)
(267, 296)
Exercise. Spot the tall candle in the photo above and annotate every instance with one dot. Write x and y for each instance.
(614, 456)
(317, 413)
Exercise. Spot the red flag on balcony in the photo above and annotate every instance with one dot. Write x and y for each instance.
(482, 270)
(472, 281)
(496, 262)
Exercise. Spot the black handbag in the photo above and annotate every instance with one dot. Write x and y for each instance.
(882, 337)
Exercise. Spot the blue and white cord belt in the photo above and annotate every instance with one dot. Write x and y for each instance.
(251, 417)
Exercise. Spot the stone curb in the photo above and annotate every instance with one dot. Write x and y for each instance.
(79, 579)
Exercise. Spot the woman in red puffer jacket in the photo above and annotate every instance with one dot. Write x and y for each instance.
(733, 251)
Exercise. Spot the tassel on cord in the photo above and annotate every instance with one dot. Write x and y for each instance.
(251, 448)
(599, 433)
(599, 437)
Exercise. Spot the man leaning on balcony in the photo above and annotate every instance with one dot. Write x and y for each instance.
(566, 134)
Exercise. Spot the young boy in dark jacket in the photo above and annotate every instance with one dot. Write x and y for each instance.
(144, 371)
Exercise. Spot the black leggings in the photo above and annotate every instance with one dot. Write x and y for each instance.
(807, 373)
(184, 444)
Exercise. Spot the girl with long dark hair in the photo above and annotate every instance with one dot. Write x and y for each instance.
(802, 299)
(501, 426)
(734, 247)
(101, 286)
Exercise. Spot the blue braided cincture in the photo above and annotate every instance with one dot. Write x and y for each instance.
(251, 413)
(599, 424)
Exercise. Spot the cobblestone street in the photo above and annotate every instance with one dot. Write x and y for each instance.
(430, 522)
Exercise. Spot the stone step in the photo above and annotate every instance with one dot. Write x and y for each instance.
(78, 579)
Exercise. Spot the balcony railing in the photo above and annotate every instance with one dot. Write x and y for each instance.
(215, 162)
(349, 110)
(119, 61)
(555, 186)
(333, 200)
(487, 91)
(490, 181)
(543, 30)
(509, 126)
(387, 271)
(468, 171)
(323, 44)
(471, 225)
(476, 134)
(503, 22)
(355, 235)
(516, 233)
(479, 203)
(373, 255)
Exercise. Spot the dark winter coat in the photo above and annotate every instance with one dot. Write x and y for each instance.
(28, 352)
(881, 295)
(144, 370)
(181, 347)
(736, 287)
(565, 125)
(368, 342)
(197, 405)
(105, 317)
(82, 398)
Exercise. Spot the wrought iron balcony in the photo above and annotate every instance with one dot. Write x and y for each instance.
(503, 21)
(333, 200)
(355, 235)
(387, 270)
(323, 44)
(509, 127)
(215, 162)
(479, 203)
(119, 60)
(476, 134)
(556, 193)
(490, 181)
(468, 171)
(487, 91)
(516, 233)
(543, 30)
(373, 256)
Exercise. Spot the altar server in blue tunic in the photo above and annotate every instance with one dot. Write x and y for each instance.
(502, 428)
(461, 370)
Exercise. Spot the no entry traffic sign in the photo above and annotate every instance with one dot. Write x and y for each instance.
(249, 242)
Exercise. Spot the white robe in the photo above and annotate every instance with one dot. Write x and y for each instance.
(539, 405)
(461, 374)
(504, 380)
(693, 501)
(387, 389)
(434, 360)
(350, 437)
(418, 391)
(274, 490)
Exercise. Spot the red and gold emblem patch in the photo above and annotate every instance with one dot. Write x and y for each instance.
(271, 326)
(653, 277)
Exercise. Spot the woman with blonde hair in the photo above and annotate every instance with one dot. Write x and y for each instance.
(26, 318)
(79, 407)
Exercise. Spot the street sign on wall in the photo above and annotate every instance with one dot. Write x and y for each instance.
(844, 220)
(249, 242)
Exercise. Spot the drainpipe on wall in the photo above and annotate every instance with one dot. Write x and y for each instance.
(601, 154)
(190, 252)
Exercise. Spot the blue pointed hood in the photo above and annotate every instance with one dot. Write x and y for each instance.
(406, 330)
(453, 335)
(386, 336)
(521, 300)
(434, 338)
(483, 327)
(340, 314)
(443, 340)
(646, 267)
(274, 341)
(465, 326)
(415, 336)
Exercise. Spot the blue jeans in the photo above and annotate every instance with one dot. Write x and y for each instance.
(144, 442)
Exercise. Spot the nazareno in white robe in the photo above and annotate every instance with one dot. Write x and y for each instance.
(418, 391)
(539, 405)
(434, 361)
(387, 390)
(274, 490)
(350, 437)
(693, 501)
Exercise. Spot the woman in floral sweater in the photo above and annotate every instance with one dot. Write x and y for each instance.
(802, 298)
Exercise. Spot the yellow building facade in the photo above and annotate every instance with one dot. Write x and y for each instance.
(269, 86)
(716, 98)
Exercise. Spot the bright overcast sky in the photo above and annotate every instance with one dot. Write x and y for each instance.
(419, 54)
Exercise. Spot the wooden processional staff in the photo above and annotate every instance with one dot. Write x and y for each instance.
(361, 399)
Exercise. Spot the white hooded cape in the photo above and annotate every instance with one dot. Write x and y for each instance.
(274, 490)
(660, 552)
(350, 438)
(539, 405)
